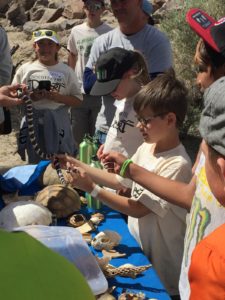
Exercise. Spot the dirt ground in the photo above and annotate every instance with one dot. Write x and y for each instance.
(8, 145)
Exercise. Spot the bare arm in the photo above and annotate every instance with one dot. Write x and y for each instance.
(99, 176)
(175, 192)
(72, 60)
(197, 159)
(123, 204)
(68, 100)
(56, 97)
(82, 180)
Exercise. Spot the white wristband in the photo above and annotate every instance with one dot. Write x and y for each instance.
(94, 193)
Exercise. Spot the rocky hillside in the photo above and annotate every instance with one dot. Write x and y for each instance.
(21, 17)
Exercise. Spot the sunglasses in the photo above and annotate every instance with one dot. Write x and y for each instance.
(92, 6)
(200, 68)
(43, 32)
(146, 121)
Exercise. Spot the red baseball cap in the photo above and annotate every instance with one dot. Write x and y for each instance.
(210, 30)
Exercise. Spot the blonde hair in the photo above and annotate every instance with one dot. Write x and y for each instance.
(141, 75)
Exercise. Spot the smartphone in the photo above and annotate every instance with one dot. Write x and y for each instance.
(44, 85)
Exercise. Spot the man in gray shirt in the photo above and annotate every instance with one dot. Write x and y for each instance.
(5, 65)
(133, 32)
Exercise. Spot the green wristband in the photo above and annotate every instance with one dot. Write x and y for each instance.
(124, 166)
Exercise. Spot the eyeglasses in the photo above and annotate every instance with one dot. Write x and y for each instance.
(44, 32)
(146, 121)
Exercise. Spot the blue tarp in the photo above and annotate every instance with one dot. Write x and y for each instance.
(23, 179)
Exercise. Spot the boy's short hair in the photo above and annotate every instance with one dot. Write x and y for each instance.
(164, 94)
(212, 121)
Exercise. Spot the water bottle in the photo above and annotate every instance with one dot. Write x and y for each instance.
(95, 145)
(85, 151)
(94, 203)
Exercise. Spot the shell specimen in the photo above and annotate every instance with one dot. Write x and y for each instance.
(126, 270)
(97, 218)
(129, 295)
(107, 240)
(61, 200)
(77, 220)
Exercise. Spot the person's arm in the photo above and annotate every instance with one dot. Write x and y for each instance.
(83, 181)
(5, 59)
(175, 192)
(72, 60)
(123, 204)
(89, 79)
(99, 176)
(197, 159)
(65, 99)
(89, 76)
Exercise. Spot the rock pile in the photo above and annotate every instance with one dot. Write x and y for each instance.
(21, 17)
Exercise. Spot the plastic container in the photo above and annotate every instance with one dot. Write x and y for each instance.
(69, 243)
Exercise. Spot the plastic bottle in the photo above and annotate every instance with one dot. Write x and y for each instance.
(93, 203)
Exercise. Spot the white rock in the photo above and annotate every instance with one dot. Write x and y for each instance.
(23, 213)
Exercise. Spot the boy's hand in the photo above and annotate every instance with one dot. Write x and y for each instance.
(66, 161)
(53, 95)
(80, 179)
(37, 95)
(100, 152)
(114, 157)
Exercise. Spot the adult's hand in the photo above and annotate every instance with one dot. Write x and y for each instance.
(66, 161)
(9, 96)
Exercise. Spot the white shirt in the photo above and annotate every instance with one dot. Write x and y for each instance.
(80, 42)
(123, 135)
(161, 232)
(61, 76)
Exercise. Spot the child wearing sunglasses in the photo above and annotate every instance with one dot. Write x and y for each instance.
(53, 89)
(79, 45)
(158, 226)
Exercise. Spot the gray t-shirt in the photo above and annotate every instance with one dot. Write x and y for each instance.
(152, 43)
(5, 64)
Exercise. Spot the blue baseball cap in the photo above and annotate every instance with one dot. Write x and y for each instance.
(147, 7)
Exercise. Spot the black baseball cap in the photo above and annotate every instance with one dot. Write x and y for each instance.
(110, 68)
(210, 30)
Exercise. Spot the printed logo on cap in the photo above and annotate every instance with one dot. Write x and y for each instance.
(102, 74)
